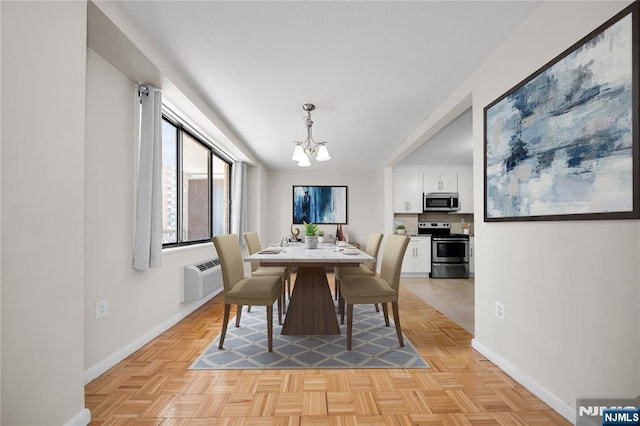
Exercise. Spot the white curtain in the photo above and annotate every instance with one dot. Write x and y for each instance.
(147, 250)
(239, 200)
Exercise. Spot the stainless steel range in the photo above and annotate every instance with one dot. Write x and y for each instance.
(449, 252)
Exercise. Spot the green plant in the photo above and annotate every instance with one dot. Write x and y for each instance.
(401, 226)
(321, 233)
(310, 229)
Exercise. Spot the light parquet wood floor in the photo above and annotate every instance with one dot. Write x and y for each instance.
(153, 386)
(453, 297)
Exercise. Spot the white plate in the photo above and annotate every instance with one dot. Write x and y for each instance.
(350, 251)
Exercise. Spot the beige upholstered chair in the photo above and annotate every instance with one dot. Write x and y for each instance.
(383, 288)
(253, 245)
(238, 290)
(372, 249)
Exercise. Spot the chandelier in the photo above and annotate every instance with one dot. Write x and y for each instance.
(304, 150)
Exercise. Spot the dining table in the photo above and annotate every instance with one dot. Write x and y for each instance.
(311, 309)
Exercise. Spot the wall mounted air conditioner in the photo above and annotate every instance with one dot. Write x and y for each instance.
(201, 280)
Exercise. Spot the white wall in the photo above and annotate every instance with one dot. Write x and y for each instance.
(43, 98)
(141, 304)
(365, 201)
(570, 288)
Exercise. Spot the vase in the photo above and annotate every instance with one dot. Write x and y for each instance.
(310, 242)
(320, 240)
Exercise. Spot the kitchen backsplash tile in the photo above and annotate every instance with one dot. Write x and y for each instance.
(410, 221)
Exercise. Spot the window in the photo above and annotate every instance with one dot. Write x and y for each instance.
(195, 187)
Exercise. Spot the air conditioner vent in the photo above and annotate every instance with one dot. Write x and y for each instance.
(208, 265)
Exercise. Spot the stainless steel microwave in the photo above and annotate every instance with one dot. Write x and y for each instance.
(441, 202)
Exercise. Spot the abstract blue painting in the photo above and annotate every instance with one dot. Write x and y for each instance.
(560, 145)
(320, 204)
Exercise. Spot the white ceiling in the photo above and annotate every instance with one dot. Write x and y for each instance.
(374, 69)
(451, 146)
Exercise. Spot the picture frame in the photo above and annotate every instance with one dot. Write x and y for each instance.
(320, 204)
(563, 144)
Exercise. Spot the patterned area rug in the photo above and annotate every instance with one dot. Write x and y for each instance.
(373, 346)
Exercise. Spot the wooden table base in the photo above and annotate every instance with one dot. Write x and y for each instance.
(311, 310)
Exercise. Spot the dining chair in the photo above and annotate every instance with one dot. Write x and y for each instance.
(240, 290)
(382, 288)
(372, 249)
(253, 246)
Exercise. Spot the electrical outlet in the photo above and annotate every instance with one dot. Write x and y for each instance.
(102, 308)
(499, 310)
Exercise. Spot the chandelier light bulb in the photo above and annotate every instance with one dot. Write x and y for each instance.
(323, 153)
(304, 161)
(298, 153)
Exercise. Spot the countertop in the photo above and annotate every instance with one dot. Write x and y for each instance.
(428, 235)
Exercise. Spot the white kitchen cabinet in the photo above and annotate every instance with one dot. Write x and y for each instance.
(440, 181)
(417, 258)
(431, 181)
(465, 190)
(407, 192)
(472, 263)
(449, 181)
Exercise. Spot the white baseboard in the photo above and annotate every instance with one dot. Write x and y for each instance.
(560, 406)
(113, 359)
(83, 418)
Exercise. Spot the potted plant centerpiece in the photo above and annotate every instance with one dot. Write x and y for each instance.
(401, 230)
(310, 237)
(320, 236)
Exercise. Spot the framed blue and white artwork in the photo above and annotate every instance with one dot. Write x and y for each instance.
(320, 204)
(563, 143)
